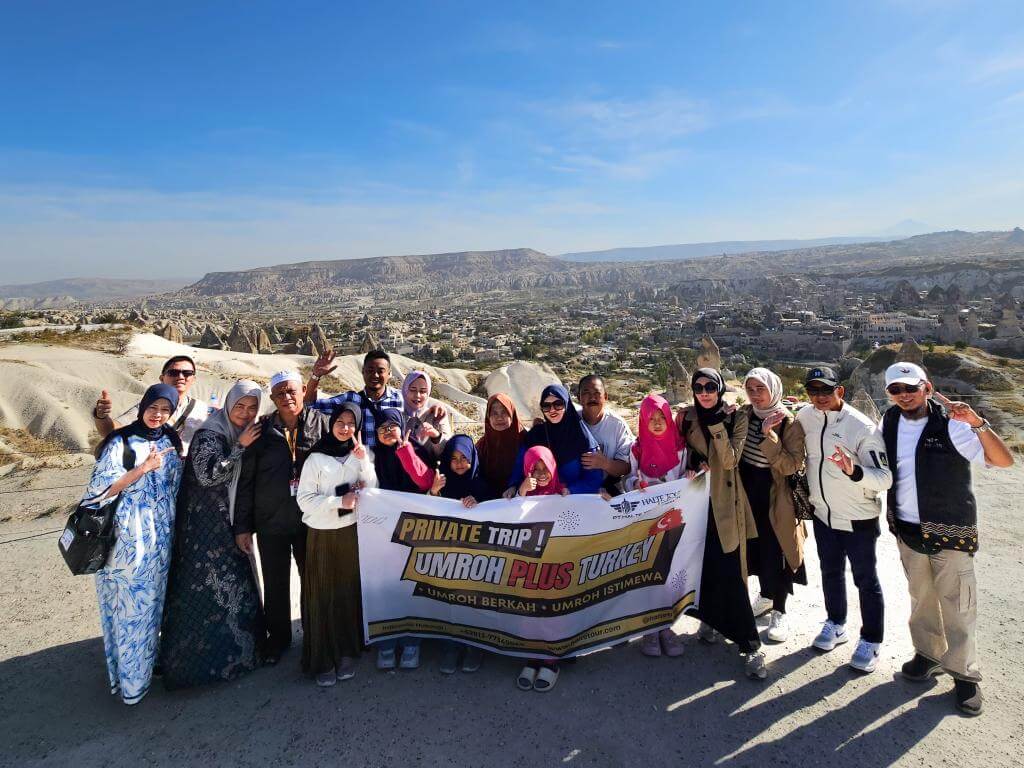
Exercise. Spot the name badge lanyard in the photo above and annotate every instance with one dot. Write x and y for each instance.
(291, 436)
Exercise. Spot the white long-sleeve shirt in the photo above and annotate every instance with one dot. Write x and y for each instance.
(837, 498)
(321, 475)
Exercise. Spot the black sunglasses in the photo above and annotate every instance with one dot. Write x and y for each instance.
(815, 391)
(711, 389)
(903, 389)
(176, 372)
(552, 405)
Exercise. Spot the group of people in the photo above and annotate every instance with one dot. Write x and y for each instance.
(179, 596)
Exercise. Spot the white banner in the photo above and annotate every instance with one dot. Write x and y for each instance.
(540, 577)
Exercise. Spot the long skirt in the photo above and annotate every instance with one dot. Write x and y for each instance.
(213, 624)
(724, 602)
(765, 558)
(333, 612)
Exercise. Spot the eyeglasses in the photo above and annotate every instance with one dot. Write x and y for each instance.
(175, 373)
(711, 389)
(820, 391)
(903, 389)
(553, 405)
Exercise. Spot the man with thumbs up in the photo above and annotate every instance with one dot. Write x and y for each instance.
(932, 442)
(180, 373)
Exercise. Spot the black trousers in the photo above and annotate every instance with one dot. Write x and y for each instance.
(276, 553)
(857, 546)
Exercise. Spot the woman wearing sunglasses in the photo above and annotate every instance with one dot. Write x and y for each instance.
(563, 433)
(715, 434)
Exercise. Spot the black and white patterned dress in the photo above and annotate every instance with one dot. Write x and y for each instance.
(213, 623)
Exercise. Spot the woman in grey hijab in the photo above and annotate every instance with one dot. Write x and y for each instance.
(213, 623)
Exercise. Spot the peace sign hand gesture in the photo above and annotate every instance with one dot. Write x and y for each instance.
(358, 449)
(959, 411)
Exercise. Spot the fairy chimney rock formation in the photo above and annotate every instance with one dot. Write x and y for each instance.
(910, 352)
(210, 339)
(709, 356)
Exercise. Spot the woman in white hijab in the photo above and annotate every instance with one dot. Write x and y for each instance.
(213, 622)
(774, 450)
(426, 430)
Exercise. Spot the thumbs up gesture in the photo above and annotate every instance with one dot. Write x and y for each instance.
(103, 405)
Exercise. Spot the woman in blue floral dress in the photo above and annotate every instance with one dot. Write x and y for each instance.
(131, 586)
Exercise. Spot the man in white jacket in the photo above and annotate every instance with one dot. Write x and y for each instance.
(847, 470)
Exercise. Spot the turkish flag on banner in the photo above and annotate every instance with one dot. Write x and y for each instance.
(671, 519)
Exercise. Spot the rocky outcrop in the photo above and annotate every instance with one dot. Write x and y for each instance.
(171, 332)
(709, 355)
(211, 340)
(240, 340)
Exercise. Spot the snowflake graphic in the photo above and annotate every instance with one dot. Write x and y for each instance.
(569, 520)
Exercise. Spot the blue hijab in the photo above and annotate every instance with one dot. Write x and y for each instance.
(469, 484)
(568, 439)
(138, 428)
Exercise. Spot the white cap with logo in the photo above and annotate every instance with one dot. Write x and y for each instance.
(905, 373)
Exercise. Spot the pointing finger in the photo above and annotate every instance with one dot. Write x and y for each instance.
(942, 398)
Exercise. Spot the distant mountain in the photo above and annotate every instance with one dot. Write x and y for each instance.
(466, 272)
(90, 289)
(698, 250)
(905, 228)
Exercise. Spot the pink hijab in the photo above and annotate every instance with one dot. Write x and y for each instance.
(657, 455)
(544, 455)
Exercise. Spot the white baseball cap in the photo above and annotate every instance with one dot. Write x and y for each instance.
(905, 373)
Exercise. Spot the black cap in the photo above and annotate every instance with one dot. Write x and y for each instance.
(824, 375)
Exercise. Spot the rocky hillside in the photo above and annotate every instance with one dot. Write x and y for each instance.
(938, 258)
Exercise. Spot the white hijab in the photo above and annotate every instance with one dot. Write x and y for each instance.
(773, 383)
(220, 423)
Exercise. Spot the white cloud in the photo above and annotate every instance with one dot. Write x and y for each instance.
(662, 117)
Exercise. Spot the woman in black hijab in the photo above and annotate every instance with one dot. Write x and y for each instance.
(337, 467)
(715, 433)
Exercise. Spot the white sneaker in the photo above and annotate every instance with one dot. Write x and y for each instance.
(778, 627)
(761, 605)
(755, 666)
(865, 656)
(830, 636)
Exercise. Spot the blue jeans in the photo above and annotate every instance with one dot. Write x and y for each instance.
(412, 642)
(858, 545)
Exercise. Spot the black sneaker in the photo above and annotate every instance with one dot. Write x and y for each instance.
(920, 668)
(968, 697)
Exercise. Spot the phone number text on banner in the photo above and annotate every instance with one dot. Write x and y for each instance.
(550, 576)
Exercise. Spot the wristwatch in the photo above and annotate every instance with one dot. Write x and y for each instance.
(985, 426)
(314, 377)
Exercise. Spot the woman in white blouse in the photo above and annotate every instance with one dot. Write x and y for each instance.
(337, 467)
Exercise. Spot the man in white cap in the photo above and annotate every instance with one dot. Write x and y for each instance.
(932, 442)
(265, 503)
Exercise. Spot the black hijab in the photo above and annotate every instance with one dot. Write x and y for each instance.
(707, 417)
(391, 476)
(138, 427)
(568, 439)
(472, 482)
(329, 445)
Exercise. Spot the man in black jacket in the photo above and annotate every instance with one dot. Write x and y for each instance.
(265, 503)
(931, 442)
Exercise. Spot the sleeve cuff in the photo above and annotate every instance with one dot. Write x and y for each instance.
(858, 474)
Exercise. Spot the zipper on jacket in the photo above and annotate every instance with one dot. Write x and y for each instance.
(821, 470)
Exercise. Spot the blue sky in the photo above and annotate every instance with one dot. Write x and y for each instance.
(143, 139)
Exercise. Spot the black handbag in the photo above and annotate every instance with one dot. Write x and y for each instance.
(801, 491)
(89, 534)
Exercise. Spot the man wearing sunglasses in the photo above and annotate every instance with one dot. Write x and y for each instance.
(931, 510)
(846, 470)
(180, 373)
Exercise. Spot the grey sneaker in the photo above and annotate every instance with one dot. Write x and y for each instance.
(707, 634)
(865, 656)
(347, 668)
(449, 660)
(830, 636)
(472, 659)
(761, 605)
(755, 666)
(326, 679)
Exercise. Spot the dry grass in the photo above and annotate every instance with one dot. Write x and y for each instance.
(17, 444)
(114, 341)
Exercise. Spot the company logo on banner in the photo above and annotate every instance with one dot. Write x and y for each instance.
(546, 576)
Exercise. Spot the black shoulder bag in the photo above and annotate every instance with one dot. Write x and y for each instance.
(89, 535)
(800, 489)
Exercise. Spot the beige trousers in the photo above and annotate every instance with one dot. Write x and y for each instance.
(943, 609)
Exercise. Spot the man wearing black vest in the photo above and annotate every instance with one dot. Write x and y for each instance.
(932, 512)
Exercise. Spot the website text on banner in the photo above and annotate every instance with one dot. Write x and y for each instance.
(544, 577)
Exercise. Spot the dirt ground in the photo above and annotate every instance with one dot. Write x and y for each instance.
(609, 709)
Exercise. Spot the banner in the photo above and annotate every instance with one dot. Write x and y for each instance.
(540, 577)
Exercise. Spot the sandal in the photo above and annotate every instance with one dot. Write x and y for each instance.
(527, 678)
(546, 679)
